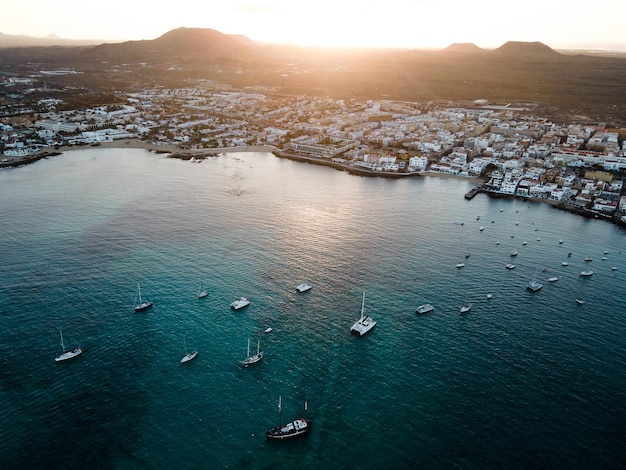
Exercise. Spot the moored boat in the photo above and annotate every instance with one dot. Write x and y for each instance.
(586, 273)
(534, 286)
(466, 307)
(240, 303)
(297, 427)
(303, 287)
(202, 292)
(365, 323)
(251, 359)
(67, 355)
(424, 308)
(510, 266)
(553, 279)
(189, 356)
(143, 304)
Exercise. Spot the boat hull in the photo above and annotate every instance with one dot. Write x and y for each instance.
(292, 430)
(424, 308)
(363, 326)
(66, 356)
(189, 357)
(252, 359)
(143, 306)
(240, 303)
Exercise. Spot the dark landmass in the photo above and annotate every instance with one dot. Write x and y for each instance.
(567, 87)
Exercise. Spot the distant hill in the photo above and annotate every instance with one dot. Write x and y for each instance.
(9, 40)
(525, 49)
(465, 47)
(178, 43)
(589, 87)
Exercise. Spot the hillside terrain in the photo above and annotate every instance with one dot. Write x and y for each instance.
(566, 87)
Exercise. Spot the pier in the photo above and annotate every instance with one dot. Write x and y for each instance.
(473, 192)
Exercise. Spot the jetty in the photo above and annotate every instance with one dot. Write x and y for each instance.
(474, 191)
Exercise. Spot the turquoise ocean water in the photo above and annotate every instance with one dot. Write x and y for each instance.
(524, 380)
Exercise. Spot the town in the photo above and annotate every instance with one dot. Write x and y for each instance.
(508, 150)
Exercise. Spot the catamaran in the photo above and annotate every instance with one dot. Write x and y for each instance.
(295, 428)
(424, 308)
(303, 287)
(363, 324)
(240, 303)
(66, 355)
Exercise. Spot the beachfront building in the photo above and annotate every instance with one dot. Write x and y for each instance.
(417, 164)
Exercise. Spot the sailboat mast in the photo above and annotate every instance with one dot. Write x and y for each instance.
(139, 289)
(280, 411)
(363, 306)
(62, 345)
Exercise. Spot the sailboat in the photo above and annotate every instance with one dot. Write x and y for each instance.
(295, 428)
(142, 305)
(254, 358)
(188, 356)
(202, 293)
(461, 264)
(467, 306)
(363, 324)
(66, 355)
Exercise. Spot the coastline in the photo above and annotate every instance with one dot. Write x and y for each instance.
(174, 151)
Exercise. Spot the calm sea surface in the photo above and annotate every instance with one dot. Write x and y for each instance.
(524, 380)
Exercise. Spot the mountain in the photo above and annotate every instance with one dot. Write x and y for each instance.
(525, 49)
(196, 43)
(9, 40)
(561, 85)
(465, 47)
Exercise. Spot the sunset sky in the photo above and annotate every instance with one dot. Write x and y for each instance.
(337, 23)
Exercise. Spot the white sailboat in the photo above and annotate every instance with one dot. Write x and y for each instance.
(255, 357)
(467, 306)
(188, 356)
(142, 305)
(66, 355)
(202, 293)
(461, 264)
(363, 324)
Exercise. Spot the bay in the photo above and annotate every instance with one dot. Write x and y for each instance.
(523, 380)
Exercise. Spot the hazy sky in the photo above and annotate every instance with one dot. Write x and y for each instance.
(385, 23)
